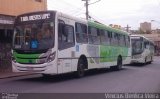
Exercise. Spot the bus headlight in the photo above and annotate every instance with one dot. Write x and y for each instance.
(13, 58)
(51, 57)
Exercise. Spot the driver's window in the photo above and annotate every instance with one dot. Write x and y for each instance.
(65, 36)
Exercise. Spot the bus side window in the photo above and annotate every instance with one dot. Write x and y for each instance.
(60, 31)
(146, 43)
(115, 39)
(98, 38)
(65, 36)
(126, 40)
(122, 40)
(110, 37)
(105, 40)
(94, 35)
(81, 33)
(69, 34)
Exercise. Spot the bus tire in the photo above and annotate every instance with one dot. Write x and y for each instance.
(80, 69)
(145, 61)
(119, 64)
(150, 60)
(46, 75)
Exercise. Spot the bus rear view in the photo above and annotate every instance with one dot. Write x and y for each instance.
(34, 43)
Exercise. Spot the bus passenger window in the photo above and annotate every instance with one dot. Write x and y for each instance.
(69, 34)
(65, 36)
(94, 37)
(81, 33)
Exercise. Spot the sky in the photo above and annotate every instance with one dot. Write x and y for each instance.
(120, 12)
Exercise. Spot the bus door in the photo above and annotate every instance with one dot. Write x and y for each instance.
(65, 45)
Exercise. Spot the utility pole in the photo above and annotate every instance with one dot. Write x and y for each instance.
(127, 28)
(86, 5)
(87, 15)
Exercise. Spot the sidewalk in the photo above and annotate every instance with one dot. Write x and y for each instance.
(4, 75)
(6, 71)
(9, 74)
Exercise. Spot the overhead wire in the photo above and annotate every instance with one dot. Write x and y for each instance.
(72, 9)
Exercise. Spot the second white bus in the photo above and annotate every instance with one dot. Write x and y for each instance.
(142, 49)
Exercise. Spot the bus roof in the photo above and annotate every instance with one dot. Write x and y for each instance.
(90, 23)
(132, 36)
(102, 26)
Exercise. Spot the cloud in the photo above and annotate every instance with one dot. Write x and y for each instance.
(120, 12)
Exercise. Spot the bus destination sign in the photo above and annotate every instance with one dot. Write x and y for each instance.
(35, 17)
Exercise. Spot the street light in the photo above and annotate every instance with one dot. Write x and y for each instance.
(155, 21)
(157, 43)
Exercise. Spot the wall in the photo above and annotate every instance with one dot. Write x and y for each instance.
(13, 8)
(16, 7)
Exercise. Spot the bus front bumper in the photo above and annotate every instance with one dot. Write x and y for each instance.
(46, 68)
(137, 60)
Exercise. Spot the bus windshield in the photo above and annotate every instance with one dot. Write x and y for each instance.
(137, 46)
(34, 36)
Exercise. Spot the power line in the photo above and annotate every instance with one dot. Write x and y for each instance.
(96, 19)
(94, 2)
(60, 6)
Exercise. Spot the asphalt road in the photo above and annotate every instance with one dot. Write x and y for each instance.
(131, 79)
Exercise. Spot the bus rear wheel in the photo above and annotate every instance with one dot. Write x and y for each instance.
(119, 64)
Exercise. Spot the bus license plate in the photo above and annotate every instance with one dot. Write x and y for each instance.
(30, 68)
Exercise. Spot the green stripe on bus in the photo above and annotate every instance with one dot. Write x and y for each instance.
(30, 58)
(25, 60)
(110, 53)
(101, 26)
(26, 55)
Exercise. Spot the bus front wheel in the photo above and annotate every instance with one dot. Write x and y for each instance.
(80, 69)
(151, 59)
(46, 75)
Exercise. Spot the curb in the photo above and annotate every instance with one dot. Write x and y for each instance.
(11, 75)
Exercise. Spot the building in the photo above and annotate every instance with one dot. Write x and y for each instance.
(155, 37)
(16, 7)
(145, 27)
(9, 9)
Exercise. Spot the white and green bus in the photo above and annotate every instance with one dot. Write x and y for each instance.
(142, 49)
(50, 42)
